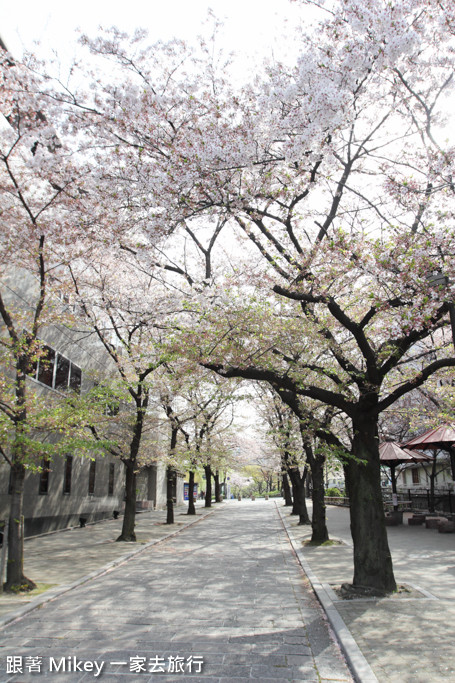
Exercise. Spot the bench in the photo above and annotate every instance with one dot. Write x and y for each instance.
(433, 522)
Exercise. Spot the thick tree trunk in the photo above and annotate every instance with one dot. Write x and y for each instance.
(169, 495)
(216, 479)
(346, 479)
(286, 490)
(373, 569)
(295, 498)
(298, 488)
(129, 519)
(191, 505)
(208, 486)
(320, 533)
(15, 578)
(316, 462)
(170, 475)
(308, 485)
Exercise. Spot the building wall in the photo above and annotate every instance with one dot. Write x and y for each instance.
(152, 488)
(57, 509)
(418, 476)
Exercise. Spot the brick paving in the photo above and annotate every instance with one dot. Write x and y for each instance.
(227, 592)
(61, 558)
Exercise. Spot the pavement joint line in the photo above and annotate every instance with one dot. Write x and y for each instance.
(54, 593)
(426, 593)
(358, 664)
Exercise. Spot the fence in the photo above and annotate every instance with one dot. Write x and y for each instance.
(336, 500)
(416, 499)
(420, 499)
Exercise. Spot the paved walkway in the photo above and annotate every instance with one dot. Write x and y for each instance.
(57, 560)
(224, 600)
(406, 639)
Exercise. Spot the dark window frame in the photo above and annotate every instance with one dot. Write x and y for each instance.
(49, 376)
(62, 372)
(92, 477)
(45, 369)
(111, 480)
(43, 487)
(67, 475)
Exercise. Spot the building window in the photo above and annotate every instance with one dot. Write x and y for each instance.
(56, 371)
(62, 373)
(415, 476)
(75, 378)
(91, 477)
(44, 477)
(45, 370)
(110, 489)
(404, 477)
(67, 474)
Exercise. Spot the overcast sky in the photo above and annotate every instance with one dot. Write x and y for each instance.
(251, 26)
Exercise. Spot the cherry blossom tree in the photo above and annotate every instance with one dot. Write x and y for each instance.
(335, 171)
(349, 200)
(284, 433)
(200, 407)
(130, 317)
(40, 187)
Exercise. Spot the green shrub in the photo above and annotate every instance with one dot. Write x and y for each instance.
(334, 493)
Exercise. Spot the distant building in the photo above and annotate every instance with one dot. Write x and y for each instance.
(417, 475)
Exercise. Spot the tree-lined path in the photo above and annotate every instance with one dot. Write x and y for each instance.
(226, 596)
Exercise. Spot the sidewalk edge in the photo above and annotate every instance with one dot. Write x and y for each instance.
(54, 593)
(358, 664)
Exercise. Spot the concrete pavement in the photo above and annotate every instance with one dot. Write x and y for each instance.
(408, 638)
(221, 601)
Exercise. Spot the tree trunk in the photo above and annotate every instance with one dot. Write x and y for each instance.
(316, 462)
(346, 479)
(295, 497)
(216, 479)
(286, 490)
(373, 569)
(431, 505)
(320, 532)
(298, 487)
(129, 519)
(309, 485)
(208, 486)
(170, 473)
(15, 578)
(393, 478)
(191, 505)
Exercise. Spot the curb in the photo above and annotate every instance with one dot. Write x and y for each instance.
(54, 593)
(358, 664)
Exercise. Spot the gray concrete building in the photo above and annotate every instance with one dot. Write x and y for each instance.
(71, 487)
